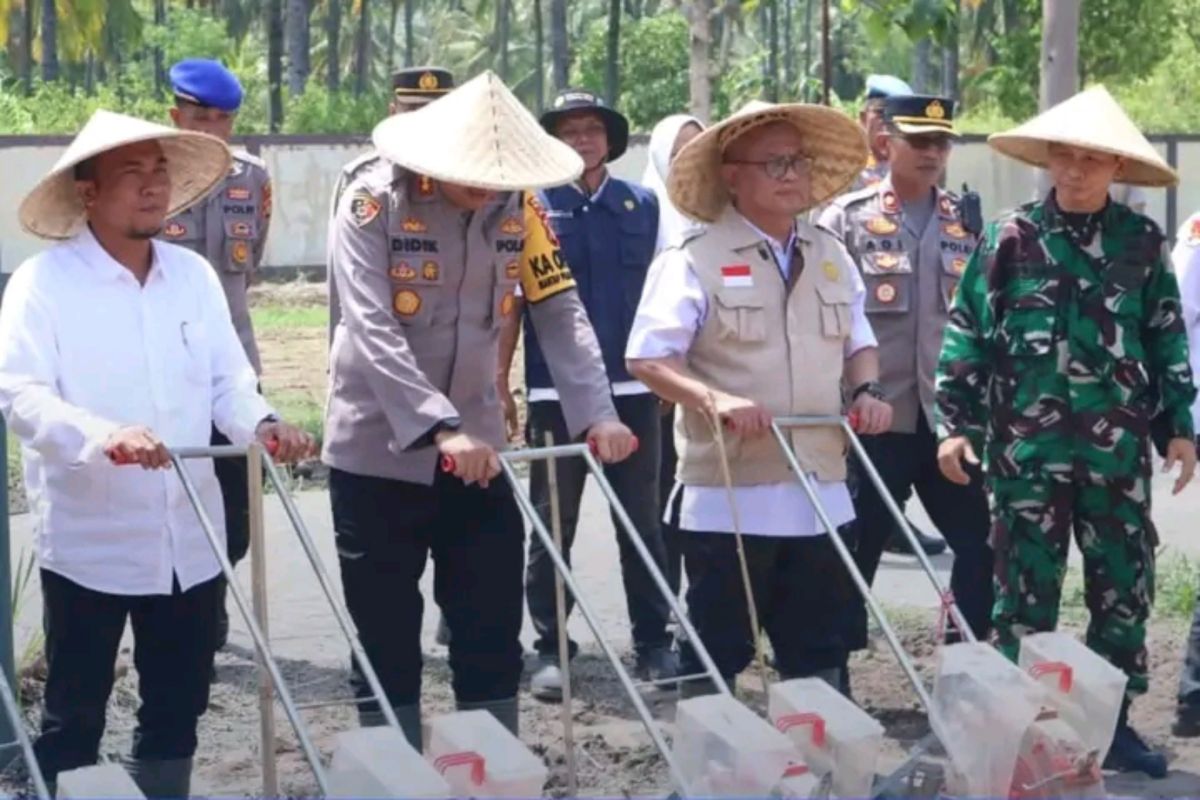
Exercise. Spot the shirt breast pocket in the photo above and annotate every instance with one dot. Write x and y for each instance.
(835, 299)
(240, 235)
(196, 360)
(1124, 281)
(741, 316)
(1028, 323)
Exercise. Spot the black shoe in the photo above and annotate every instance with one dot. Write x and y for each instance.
(1187, 722)
(898, 543)
(1129, 753)
(658, 664)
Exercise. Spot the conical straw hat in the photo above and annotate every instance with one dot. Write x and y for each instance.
(836, 144)
(478, 135)
(196, 163)
(1092, 120)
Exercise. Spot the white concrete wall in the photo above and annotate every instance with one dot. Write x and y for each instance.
(304, 175)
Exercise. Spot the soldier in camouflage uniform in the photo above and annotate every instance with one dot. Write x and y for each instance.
(1065, 340)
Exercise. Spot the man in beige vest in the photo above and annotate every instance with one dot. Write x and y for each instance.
(428, 247)
(911, 245)
(761, 315)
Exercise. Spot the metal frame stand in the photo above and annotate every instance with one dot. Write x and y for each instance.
(949, 605)
(255, 615)
(507, 461)
(21, 740)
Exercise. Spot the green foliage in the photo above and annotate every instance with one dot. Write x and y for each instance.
(320, 111)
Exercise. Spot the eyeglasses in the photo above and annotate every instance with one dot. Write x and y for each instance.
(777, 168)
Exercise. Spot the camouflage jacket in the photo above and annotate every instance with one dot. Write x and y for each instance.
(1059, 351)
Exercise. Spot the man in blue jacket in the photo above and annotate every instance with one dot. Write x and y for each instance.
(607, 229)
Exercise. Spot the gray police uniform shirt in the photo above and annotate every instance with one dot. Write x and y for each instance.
(345, 178)
(911, 277)
(229, 228)
(424, 288)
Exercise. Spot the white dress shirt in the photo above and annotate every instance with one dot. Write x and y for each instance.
(671, 312)
(85, 350)
(1185, 258)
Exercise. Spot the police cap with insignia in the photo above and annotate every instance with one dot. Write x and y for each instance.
(207, 83)
(920, 113)
(573, 101)
(421, 85)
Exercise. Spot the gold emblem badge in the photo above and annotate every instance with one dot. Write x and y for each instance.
(881, 226)
(238, 193)
(240, 252)
(831, 270)
(241, 229)
(512, 270)
(413, 225)
(430, 271)
(944, 207)
(425, 186)
(886, 261)
(174, 230)
(512, 226)
(959, 265)
(630, 205)
(935, 110)
(507, 304)
(890, 203)
(885, 293)
(427, 82)
(406, 302)
(954, 230)
(402, 271)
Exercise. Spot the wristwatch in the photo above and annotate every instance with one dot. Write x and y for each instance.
(873, 388)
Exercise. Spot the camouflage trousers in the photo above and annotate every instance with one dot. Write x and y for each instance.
(1032, 522)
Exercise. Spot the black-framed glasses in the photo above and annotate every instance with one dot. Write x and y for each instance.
(778, 167)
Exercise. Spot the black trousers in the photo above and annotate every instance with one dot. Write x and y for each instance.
(799, 586)
(233, 475)
(174, 640)
(635, 481)
(908, 462)
(385, 531)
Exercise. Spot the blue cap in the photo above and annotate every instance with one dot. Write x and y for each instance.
(206, 83)
(880, 86)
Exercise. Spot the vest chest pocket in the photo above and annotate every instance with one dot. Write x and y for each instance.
(239, 244)
(741, 315)
(835, 309)
(415, 287)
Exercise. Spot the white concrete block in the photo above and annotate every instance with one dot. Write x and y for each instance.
(100, 782)
(379, 762)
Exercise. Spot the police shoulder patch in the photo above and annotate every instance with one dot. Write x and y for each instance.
(543, 271)
(364, 208)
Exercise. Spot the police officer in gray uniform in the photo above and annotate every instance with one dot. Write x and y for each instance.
(412, 88)
(428, 247)
(911, 245)
(230, 230)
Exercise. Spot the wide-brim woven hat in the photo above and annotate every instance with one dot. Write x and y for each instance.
(478, 135)
(835, 143)
(1092, 120)
(196, 163)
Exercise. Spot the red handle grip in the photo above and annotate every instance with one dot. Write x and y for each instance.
(789, 721)
(1066, 675)
(448, 463)
(854, 420)
(465, 759)
(120, 460)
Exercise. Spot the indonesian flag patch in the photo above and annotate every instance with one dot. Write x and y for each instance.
(736, 276)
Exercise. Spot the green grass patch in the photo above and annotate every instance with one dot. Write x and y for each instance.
(300, 410)
(281, 317)
(1177, 582)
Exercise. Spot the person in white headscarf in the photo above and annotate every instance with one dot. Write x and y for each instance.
(668, 138)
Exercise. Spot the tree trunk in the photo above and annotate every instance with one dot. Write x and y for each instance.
(275, 63)
(920, 65)
(773, 60)
(808, 26)
(826, 53)
(27, 47)
(333, 27)
(612, 77)
(502, 39)
(789, 51)
(1060, 59)
(362, 49)
(539, 60)
(392, 21)
(950, 58)
(160, 73)
(700, 44)
(89, 74)
(408, 33)
(49, 40)
(560, 56)
(297, 45)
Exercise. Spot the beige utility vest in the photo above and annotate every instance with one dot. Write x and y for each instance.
(781, 348)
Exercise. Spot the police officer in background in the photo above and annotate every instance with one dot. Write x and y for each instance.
(909, 241)
(607, 228)
(428, 247)
(412, 88)
(230, 230)
(879, 89)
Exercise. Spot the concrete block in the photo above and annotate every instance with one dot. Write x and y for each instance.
(379, 762)
(100, 782)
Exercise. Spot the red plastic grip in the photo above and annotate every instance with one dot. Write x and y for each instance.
(448, 463)
(1066, 675)
(854, 420)
(469, 757)
(789, 721)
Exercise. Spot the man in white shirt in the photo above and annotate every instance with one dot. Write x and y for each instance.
(113, 347)
(761, 315)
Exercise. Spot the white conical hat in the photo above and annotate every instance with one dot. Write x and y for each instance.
(1092, 120)
(478, 135)
(196, 163)
(836, 144)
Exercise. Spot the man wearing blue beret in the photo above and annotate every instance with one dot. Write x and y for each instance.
(879, 89)
(230, 230)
